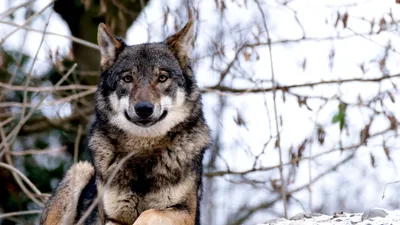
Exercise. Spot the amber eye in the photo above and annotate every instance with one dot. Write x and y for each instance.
(162, 78)
(127, 79)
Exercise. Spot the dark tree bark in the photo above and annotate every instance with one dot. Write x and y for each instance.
(83, 18)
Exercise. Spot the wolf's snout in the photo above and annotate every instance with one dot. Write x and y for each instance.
(144, 109)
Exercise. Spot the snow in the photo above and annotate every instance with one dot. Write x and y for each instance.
(380, 217)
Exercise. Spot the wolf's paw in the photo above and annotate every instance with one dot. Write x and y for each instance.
(153, 217)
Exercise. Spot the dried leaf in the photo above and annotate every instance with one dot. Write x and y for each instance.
(304, 64)
(387, 152)
(337, 19)
(239, 120)
(274, 184)
(300, 150)
(372, 160)
(166, 13)
(246, 56)
(277, 142)
(394, 124)
(362, 67)
(372, 23)
(321, 135)
(303, 101)
(382, 24)
(284, 96)
(382, 63)
(345, 19)
(391, 97)
(364, 134)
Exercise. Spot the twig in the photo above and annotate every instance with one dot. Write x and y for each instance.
(263, 205)
(295, 160)
(37, 151)
(77, 141)
(17, 66)
(72, 38)
(27, 21)
(20, 213)
(54, 102)
(390, 183)
(46, 89)
(13, 9)
(19, 125)
(19, 173)
(283, 183)
(287, 87)
(16, 178)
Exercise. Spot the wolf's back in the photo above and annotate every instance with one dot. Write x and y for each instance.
(72, 197)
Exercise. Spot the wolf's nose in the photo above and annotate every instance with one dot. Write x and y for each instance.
(144, 109)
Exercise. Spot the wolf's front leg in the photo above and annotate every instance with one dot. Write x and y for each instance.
(120, 206)
(166, 217)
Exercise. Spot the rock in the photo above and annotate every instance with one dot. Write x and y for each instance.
(304, 215)
(276, 221)
(373, 216)
(372, 213)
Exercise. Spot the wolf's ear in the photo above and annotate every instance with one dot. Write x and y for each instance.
(181, 43)
(110, 46)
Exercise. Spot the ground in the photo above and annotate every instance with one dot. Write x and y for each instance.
(374, 216)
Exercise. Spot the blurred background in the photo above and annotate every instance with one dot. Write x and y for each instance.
(301, 95)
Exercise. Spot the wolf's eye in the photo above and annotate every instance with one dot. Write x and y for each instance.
(127, 79)
(162, 78)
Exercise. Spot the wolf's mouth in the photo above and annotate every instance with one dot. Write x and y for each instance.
(145, 122)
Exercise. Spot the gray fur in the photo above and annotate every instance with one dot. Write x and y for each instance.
(162, 180)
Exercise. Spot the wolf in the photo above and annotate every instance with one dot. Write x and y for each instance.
(147, 141)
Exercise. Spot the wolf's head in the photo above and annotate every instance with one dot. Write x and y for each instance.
(146, 89)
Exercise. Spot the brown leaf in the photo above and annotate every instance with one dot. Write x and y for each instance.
(372, 23)
(362, 67)
(372, 160)
(246, 56)
(387, 152)
(364, 134)
(382, 63)
(166, 13)
(300, 150)
(274, 184)
(337, 19)
(284, 96)
(391, 97)
(277, 143)
(394, 124)
(304, 64)
(239, 120)
(345, 19)
(321, 135)
(382, 24)
(303, 101)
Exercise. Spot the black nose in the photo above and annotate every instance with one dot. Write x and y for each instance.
(144, 109)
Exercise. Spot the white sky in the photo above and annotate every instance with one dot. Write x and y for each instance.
(357, 179)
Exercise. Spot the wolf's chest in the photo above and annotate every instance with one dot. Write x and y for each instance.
(153, 172)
